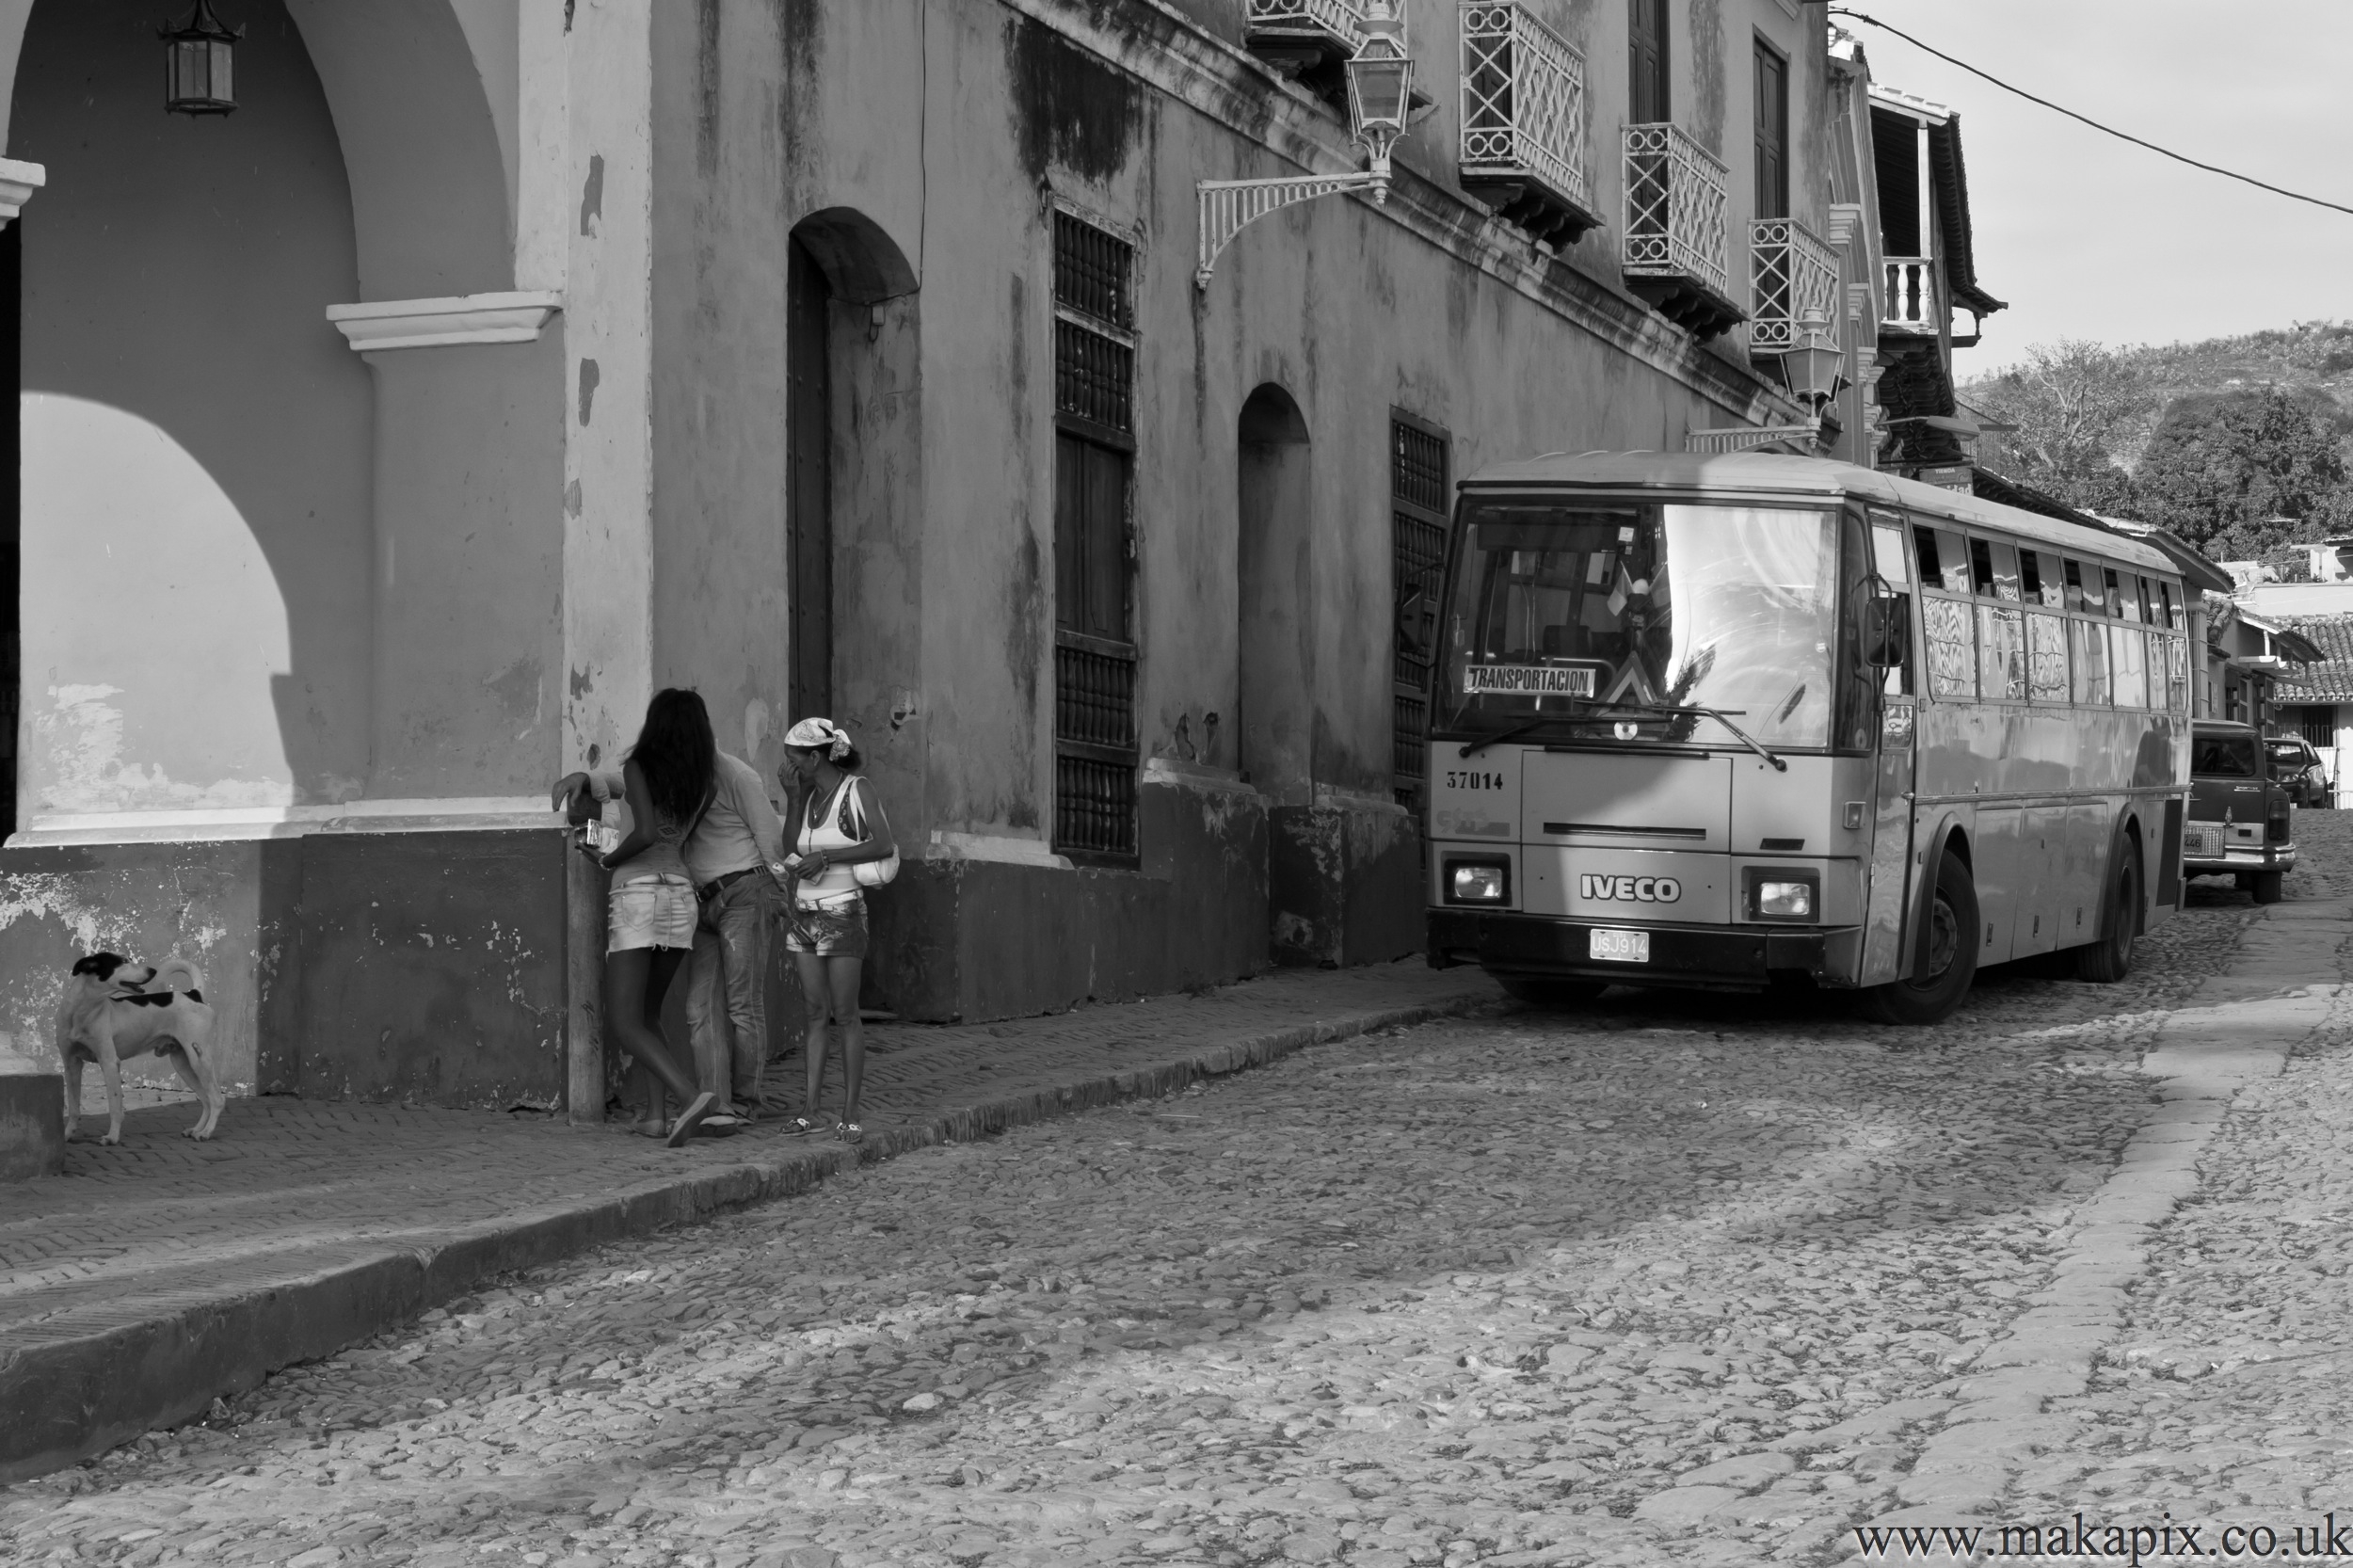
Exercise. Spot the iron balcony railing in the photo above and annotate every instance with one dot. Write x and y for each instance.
(1793, 270)
(1522, 101)
(1337, 23)
(1675, 208)
(1910, 305)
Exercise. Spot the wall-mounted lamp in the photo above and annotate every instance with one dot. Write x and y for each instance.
(200, 64)
(1380, 96)
(1814, 366)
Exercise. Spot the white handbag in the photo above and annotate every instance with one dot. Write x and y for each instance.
(869, 873)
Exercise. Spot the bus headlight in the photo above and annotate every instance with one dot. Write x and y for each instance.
(1478, 882)
(1784, 895)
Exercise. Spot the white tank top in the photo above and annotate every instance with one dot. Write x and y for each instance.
(834, 828)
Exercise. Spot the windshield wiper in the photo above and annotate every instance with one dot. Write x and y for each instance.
(1512, 734)
(1719, 714)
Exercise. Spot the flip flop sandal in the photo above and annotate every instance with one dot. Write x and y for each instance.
(800, 1126)
(689, 1119)
(721, 1125)
(850, 1132)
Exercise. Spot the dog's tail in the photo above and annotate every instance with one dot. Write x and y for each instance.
(177, 974)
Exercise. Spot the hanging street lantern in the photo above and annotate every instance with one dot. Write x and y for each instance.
(1379, 87)
(1814, 363)
(200, 64)
(1380, 97)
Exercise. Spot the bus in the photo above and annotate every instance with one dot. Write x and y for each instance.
(1721, 721)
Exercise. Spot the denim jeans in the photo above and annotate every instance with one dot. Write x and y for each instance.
(727, 995)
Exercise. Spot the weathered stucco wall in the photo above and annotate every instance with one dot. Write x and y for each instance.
(196, 485)
(469, 644)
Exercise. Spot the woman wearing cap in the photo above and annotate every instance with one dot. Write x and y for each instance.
(837, 824)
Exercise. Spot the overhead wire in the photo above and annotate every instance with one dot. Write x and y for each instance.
(2086, 119)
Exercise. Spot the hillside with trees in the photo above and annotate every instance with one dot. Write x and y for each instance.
(2244, 445)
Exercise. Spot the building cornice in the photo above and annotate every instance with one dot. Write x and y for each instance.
(463, 319)
(1228, 85)
(18, 181)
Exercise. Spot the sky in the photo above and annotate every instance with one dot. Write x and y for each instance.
(2085, 236)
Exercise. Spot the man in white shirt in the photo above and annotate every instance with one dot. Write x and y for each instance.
(728, 856)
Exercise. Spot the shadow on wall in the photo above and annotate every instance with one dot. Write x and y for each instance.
(196, 436)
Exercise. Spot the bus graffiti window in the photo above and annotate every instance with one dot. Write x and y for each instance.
(2046, 656)
(2087, 643)
(2177, 674)
(2130, 661)
(2001, 655)
(1952, 647)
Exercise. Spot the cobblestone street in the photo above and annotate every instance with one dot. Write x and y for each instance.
(1683, 1279)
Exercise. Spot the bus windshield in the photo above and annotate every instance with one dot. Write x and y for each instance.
(1562, 609)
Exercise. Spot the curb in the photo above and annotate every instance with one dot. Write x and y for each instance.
(84, 1393)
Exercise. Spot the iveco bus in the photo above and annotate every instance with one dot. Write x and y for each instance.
(1710, 720)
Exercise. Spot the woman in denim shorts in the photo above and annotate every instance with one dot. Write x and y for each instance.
(837, 823)
(671, 774)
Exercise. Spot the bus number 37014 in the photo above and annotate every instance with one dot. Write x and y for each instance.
(1474, 781)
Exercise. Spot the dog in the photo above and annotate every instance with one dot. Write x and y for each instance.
(113, 1008)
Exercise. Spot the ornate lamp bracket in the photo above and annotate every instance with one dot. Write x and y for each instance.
(1227, 206)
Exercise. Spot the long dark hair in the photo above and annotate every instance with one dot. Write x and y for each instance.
(676, 753)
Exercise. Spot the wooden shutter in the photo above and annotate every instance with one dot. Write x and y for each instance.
(1772, 133)
(1649, 100)
(808, 469)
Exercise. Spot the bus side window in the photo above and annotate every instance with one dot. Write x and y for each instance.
(1981, 567)
(2115, 602)
(2006, 571)
(1887, 559)
(2030, 576)
(2165, 597)
(1944, 559)
(2077, 599)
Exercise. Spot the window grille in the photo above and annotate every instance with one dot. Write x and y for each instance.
(1417, 480)
(1095, 653)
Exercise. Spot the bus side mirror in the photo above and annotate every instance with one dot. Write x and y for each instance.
(1886, 631)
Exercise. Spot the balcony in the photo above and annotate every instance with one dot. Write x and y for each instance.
(1911, 304)
(1793, 271)
(1303, 36)
(1675, 229)
(1523, 122)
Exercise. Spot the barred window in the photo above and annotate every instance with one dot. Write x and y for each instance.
(1095, 654)
(1417, 481)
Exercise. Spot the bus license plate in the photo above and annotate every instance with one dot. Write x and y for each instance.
(1619, 947)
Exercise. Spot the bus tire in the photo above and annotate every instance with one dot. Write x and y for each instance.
(2267, 886)
(2110, 959)
(1951, 960)
(1548, 991)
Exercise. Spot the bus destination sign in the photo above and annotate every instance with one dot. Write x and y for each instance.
(1527, 680)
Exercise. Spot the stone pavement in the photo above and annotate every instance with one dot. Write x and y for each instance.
(155, 1275)
(1671, 1279)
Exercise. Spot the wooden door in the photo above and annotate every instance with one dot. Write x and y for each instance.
(1772, 133)
(808, 499)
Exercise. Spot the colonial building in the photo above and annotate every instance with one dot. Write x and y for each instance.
(387, 441)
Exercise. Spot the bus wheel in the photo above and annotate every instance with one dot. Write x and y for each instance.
(2110, 959)
(1542, 991)
(2266, 888)
(1931, 996)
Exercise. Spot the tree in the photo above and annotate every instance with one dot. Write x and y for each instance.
(2082, 410)
(2246, 472)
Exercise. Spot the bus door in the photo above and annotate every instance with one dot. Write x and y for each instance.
(1887, 899)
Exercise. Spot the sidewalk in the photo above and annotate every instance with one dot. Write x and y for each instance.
(154, 1276)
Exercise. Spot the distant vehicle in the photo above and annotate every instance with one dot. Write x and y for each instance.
(2242, 824)
(1711, 721)
(2297, 766)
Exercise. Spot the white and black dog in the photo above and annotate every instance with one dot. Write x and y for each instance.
(113, 1008)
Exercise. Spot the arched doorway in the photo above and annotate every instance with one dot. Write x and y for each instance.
(1274, 634)
(809, 480)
